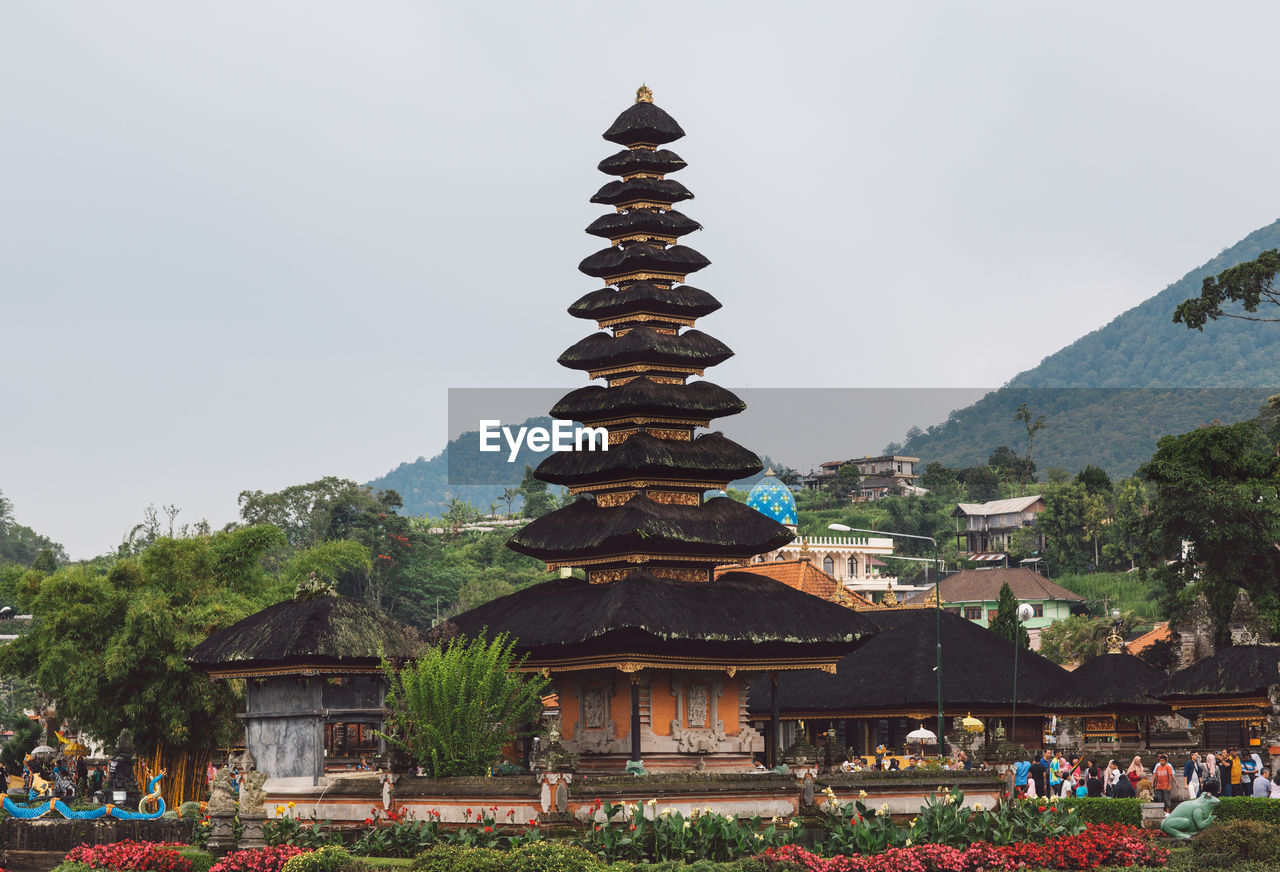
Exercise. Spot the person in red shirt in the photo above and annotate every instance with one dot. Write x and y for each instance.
(1162, 782)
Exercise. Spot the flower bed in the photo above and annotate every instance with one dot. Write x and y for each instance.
(1099, 845)
(129, 855)
(257, 859)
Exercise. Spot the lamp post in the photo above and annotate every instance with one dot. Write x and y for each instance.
(937, 605)
(1024, 613)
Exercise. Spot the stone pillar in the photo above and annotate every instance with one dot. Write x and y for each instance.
(251, 832)
(222, 838)
(635, 719)
(775, 739)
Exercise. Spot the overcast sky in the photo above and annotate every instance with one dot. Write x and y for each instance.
(247, 245)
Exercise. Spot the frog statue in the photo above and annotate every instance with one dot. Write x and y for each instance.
(1190, 817)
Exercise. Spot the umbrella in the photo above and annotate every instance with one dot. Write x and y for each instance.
(923, 736)
(74, 749)
(971, 724)
(42, 751)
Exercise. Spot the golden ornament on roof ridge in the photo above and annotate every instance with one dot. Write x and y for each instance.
(644, 94)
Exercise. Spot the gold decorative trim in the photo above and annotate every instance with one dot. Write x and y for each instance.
(675, 498)
(644, 94)
(641, 368)
(641, 559)
(305, 671)
(642, 174)
(605, 576)
(668, 277)
(636, 662)
(660, 379)
(671, 433)
(668, 331)
(642, 145)
(643, 204)
(645, 237)
(644, 317)
(604, 486)
(640, 421)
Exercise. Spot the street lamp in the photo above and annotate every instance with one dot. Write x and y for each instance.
(1024, 613)
(937, 605)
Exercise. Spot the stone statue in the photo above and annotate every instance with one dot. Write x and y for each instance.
(252, 796)
(222, 796)
(1190, 817)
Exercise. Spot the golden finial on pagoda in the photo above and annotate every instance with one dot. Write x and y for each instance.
(805, 553)
(890, 598)
(644, 94)
(1115, 644)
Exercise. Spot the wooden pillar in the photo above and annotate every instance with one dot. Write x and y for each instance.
(775, 726)
(1146, 731)
(635, 718)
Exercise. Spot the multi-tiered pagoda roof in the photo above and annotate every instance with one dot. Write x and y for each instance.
(642, 521)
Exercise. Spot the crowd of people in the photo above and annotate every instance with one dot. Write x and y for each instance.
(64, 778)
(1228, 773)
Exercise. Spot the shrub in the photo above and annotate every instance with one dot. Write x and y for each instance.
(454, 858)
(131, 855)
(1237, 841)
(190, 809)
(257, 859)
(71, 866)
(330, 858)
(201, 861)
(551, 857)
(1248, 808)
(1102, 809)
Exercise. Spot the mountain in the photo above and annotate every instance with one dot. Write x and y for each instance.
(1108, 396)
(464, 472)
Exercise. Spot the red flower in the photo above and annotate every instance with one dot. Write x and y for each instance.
(488, 829)
(1042, 808)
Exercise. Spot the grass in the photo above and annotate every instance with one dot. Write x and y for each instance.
(1122, 590)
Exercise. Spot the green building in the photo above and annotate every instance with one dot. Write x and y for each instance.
(974, 594)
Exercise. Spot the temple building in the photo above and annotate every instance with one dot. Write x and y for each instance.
(648, 650)
(1233, 695)
(1111, 694)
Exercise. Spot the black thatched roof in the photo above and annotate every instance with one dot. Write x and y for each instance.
(895, 671)
(641, 396)
(682, 301)
(719, 527)
(317, 631)
(737, 614)
(1242, 670)
(692, 348)
(613, 225)
(1110, 683)
(710, 456)
(642, 160)
(643, 190)
(611, 263)
(643, 124)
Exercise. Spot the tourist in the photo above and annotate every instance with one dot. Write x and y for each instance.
(1275, 786)
(1110, 777)
(1021, 770)
(893, 764)
(1055, 773)
(1038, 775)
(1162, 782)
(963, 759)
(1193, 774)
(1251, 769)
(1237, 774)
(1262, 784)
(1225, 782)
(1073, 780)
(82, 776)
(1135, 771)
(1093, 779)
(1124, 788)
(846, 766)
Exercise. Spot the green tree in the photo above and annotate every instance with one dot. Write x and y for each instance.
(455, 707)
(1095, 480)
(1071, 523)
(537, 500)
(109, 647)
(1033, 424)
(981, 484)
(1250, 284)
(1080, 637)
(1006, 623)
(1215, 488)
(1009, 467)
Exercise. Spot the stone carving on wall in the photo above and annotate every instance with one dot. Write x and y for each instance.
(593, 708)
(594, 732)
(697, 706)
(699, 702)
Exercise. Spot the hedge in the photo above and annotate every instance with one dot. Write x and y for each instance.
(1249, 808)
(1101, 809)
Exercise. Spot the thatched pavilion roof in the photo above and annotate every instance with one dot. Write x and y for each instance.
(738, 616)
(316, 634)
(894, 672)
(1242, 670)
(1119, 683)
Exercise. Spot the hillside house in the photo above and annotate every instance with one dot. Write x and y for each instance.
(985, 530)
(974, 594)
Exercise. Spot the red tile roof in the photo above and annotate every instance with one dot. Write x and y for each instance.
(804, 577)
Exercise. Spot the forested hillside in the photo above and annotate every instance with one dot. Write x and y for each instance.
(1163, 378)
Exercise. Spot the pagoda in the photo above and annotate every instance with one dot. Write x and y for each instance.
(651, 653)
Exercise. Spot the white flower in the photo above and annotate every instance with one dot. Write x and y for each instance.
(977, 806)
(774, 819)
(793, 824)
(759, 837)
(707, 810)
(652, 803)
(908, 844)
(884, 809)
(686, 825)
(862, 794)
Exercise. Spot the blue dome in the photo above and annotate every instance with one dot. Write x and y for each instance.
(773, 498)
